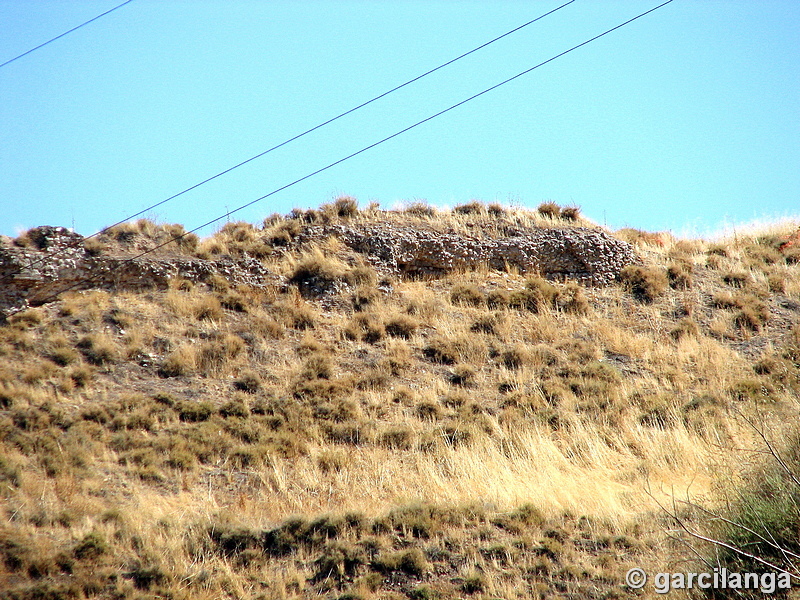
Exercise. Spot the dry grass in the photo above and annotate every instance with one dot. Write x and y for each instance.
(482, 434)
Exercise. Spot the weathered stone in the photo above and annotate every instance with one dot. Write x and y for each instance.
(588, 255)
(31, 277)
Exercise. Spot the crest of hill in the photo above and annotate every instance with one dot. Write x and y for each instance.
(418, 240)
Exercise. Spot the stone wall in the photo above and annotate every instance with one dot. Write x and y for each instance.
(587, 255)
(58, 262)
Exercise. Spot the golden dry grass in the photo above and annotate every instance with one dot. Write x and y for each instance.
(143, 434)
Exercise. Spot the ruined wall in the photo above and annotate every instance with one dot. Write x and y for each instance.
(588, 255)
(58, 262)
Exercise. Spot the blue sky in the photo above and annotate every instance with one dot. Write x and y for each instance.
(679, 121)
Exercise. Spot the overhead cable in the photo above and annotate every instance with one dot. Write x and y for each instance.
(366, 148)
(65, 33)
(307, 131)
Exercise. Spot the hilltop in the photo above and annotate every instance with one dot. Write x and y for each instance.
(356, 403)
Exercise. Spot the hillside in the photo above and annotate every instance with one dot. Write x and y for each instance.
(356, 403)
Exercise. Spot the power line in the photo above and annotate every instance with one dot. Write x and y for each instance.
(298, 136)
(65, 33)
(366, 148)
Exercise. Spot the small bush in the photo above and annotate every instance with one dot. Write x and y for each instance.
(401, 326)
(646, 284)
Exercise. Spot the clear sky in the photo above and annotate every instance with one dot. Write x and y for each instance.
(683, 119)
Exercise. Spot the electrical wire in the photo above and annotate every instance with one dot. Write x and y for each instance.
(366, 148)
(298, 136)
(65, 33)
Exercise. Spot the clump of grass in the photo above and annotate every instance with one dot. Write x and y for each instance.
(487, 323)
(98, 349)
(207, 308)
(364, 296)
(412, 562)
(180, 362)
(686, 327)
(498, 299)
(367, 327)
(401, 326)
(570, 213)
(248, 382)
(538, 295)
(549, 209)
(753, 313)
(463, 375)
(680, 275)
(515, 357)
(736, 279)
(397, 438)
(449, 350)
(214, 355)
(572, 299)
(467, 294)
(296, 314)
(496, 210)
(420, 209)
(471, 208)
(343, 207)
(646, 284)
